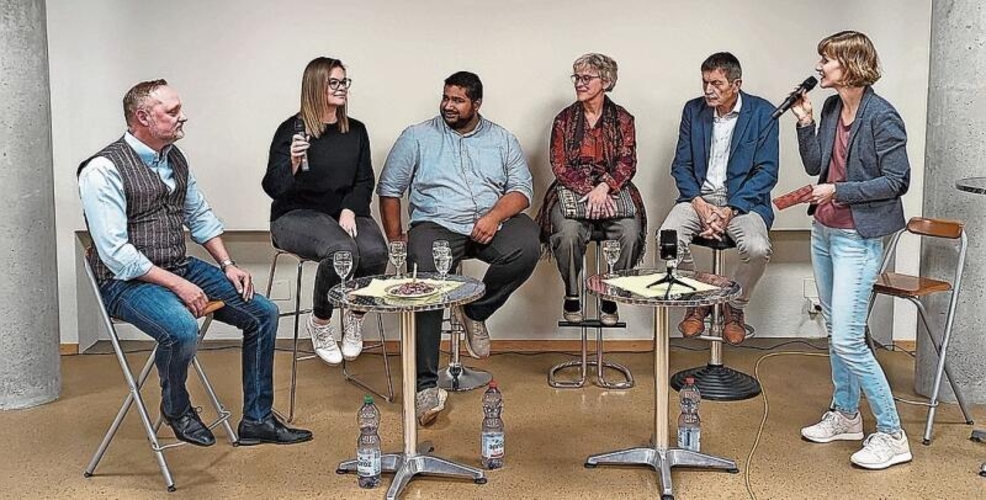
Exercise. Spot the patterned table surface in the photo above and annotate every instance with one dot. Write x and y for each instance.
(470, 290)
(725, 290)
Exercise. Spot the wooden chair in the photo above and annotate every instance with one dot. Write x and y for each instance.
(913, 288)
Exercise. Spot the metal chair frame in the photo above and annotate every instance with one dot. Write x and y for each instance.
(583, 363)
(924, 228)
(134, 397)
(306, 355)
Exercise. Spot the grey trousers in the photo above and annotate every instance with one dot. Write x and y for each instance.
(748, 231)
(571, 237)
(317, 236)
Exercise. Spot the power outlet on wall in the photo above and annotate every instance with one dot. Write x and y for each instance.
(812, 305)
(280, 290)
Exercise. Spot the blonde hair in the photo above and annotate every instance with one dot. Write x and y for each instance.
(605, 65)
(856, 54)
(314, 102)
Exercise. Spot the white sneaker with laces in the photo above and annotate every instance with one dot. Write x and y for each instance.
(881, 450)
(835, 427)
(324, 342)
(352, 336)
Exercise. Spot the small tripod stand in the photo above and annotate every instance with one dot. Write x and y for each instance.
(670, 279)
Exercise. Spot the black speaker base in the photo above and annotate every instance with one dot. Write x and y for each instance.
(718, 383)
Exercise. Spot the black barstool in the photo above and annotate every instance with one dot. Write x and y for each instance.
(714, 380)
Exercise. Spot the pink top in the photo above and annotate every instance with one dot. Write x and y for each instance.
(832, 214)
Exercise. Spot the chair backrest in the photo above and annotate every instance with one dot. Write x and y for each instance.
(938, 228)
(932, 228)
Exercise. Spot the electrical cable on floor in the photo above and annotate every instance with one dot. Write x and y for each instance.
(766, 407)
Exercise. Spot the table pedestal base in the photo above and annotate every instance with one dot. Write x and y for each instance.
(662, 460)
(404, 468)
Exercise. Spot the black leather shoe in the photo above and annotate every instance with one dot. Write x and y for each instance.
(189, 428)
(270, 430)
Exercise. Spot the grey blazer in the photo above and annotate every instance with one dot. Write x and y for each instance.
(877, 170)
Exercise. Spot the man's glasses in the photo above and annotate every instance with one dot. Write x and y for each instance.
(345, 83)
(584, 79)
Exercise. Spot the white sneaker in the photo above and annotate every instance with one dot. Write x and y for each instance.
(881, 450)
(324, 342)
(835, 427)
(352, 336)
(477, 336)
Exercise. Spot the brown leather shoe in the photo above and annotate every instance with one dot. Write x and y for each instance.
(694, 322)
(734, 329)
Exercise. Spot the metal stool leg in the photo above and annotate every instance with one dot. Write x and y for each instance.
(716, 381)
(133, 398)
(584, 362)
(389, 396)
(457, 377)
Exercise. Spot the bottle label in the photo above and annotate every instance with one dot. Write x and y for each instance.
(689, 439)
(367, 463)
(492, 445)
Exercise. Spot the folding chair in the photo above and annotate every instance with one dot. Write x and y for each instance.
(134, 398)
(913, 288)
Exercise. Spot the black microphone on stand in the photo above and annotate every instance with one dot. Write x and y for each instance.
(793, 97)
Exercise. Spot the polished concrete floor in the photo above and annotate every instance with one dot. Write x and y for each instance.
(549, 434)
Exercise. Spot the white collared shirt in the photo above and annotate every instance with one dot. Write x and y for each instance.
(722, 135)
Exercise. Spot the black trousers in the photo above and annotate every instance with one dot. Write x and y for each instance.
(317, 236)
(512, 255)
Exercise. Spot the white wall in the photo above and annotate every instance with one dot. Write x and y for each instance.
(238, 67)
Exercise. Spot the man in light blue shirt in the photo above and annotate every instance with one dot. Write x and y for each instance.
(138, 195)
(468, 183)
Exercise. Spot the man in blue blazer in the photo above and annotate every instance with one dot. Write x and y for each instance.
(725, 165)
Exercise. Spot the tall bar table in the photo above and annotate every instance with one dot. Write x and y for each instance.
(975, 185)
(415, 459)
(660, 455)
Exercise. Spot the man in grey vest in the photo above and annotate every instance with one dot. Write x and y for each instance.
(138, 195)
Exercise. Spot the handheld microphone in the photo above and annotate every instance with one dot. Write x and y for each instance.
(793, 97)
(299, 128)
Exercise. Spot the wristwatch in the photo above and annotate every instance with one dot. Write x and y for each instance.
(226, 263)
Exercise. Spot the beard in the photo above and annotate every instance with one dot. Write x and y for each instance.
(457, 121)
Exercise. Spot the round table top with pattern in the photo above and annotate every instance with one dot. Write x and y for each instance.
(470, 290)
(725, 290)
(972, 185)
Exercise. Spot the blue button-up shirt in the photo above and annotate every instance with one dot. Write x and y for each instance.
(105, 205)
(454, 179)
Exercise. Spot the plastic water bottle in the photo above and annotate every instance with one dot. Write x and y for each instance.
(368, 445)
(689, 423)
(492, 436)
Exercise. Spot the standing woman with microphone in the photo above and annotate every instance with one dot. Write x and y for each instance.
(858, 150)
(321, 180)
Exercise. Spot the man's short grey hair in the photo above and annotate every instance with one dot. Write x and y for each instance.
(605, 65)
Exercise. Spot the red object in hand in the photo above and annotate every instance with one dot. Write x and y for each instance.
(800, 195)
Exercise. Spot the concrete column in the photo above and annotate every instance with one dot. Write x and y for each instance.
(956, 148)
(29, 357)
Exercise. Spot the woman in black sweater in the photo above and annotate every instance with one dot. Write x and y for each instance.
(323, 207)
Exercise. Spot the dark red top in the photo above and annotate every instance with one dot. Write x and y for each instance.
(832, 214)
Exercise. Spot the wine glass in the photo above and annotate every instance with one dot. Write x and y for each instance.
(442, 253)
(398, 255)
(343, 263)
(611, 252)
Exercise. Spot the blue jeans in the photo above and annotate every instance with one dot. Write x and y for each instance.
(158, 312)
(846, 266)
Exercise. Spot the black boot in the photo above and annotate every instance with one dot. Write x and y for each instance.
(270, 430)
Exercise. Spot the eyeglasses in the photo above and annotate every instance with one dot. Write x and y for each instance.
(339, 84)
(584, 79)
